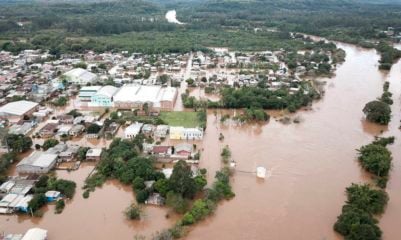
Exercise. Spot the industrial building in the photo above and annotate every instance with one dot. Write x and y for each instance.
(157, 98)
(37, 163)
(15, 111)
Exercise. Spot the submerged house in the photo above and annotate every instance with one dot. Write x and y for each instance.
(183, 149)
(94, 154)
(181, 133)
(52, 196)
(133, 130)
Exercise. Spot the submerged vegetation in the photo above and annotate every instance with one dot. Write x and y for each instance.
(379, 111)
(201, 208)
(357, 220)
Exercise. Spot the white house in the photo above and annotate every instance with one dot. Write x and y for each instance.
(181, 133)
(132, 130)
(80, 76)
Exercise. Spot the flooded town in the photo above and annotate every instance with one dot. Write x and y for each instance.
(288, 142)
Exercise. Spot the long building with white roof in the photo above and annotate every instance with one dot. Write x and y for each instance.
(14, 111)
(135, 96)
(38, 162)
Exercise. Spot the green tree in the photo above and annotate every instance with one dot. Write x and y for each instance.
(351, 220)
(60, 204)
(181, 180)
(377, 112)
(138, 184)
(49, 143)
(18, 143)
(177, 202)
(93, 128)
(365, 197)
(162, 186)
(37, 202)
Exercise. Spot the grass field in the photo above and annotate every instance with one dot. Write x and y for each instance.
(184, 119)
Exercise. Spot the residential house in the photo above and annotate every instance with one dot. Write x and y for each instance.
(183, 149)
(181, 133)
(77, 130)
(162, 151)
(66, 119)
(94, 154)
(52, 196)
(148, 129)
(64, 130)
(161, 131)
(132, 130)
(49, 130)
(155, 199)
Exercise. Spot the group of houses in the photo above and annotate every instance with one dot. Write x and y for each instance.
(163, 131)
(172, 153)
(41, 162)
(16, 193)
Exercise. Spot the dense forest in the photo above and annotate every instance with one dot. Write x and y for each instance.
(141, 25)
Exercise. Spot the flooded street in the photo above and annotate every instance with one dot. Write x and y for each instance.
(98, 217)
(310, 164)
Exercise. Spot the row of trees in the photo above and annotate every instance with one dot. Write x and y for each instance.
(357, 220)
(376, 159)
(253, 97)
(388, 55)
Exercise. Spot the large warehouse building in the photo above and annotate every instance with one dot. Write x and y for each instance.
(15, 111)
(135, 96)
(37, 163)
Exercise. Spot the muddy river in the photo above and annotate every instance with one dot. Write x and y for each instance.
(310, 165)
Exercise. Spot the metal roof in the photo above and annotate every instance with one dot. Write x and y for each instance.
(18, 108)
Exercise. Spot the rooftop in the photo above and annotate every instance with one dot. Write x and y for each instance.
(39, 159)
(18, 107)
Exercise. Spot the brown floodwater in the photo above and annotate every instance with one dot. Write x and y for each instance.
(98, 217)
(310, 164)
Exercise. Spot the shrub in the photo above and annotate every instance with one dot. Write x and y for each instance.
(60, 204)
(133, 212)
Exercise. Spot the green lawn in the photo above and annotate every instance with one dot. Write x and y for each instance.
(184, 119)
